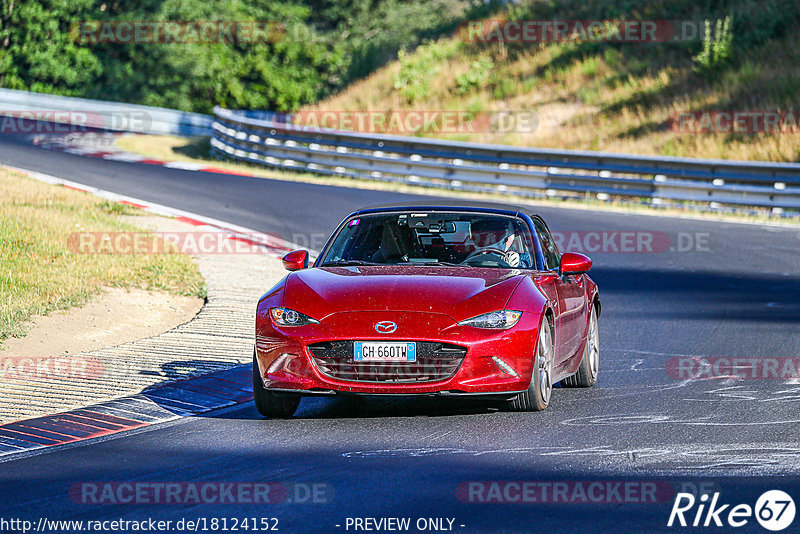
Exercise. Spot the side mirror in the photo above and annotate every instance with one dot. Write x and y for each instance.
(295, 260)
(573, 263)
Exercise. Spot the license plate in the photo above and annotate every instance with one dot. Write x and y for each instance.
(385, 351)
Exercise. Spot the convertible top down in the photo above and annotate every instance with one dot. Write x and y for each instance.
(446, 299)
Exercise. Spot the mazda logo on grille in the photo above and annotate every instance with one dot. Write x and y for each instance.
(385, 327)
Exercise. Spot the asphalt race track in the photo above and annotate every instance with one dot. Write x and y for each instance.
(710, 289)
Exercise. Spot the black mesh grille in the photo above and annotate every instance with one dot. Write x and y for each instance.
(435, 361)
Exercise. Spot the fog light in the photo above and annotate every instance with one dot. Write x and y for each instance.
(504, 367)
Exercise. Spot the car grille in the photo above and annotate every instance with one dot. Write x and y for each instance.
(435, 361)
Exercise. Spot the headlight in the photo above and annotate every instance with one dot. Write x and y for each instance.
(287, 317)
(499, 320)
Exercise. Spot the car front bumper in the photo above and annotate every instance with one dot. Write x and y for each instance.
(287, 364)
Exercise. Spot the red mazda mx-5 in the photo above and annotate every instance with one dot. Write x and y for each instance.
(429, 300)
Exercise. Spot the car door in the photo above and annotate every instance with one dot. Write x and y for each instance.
(570, 297)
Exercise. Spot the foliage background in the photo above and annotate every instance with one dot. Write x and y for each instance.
(328, 43)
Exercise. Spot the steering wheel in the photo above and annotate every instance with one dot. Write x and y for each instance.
(492, 255)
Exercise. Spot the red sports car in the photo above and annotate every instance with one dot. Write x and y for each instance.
(429, 300)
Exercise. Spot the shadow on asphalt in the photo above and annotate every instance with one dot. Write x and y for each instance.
(182, 369)
(353, 407)
(707, 295)
(377, 407)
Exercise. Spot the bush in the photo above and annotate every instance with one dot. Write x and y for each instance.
(717, 46)
(505, 88)
(417, 69)
(476, 77)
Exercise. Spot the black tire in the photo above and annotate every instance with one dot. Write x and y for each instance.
(537, 396)
(270, 404)
(586, 375)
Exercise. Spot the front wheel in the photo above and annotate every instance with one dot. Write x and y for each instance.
(537, 397)
(586, 375)
(268, 403)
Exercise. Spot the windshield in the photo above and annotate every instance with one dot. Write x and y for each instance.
(433, 238)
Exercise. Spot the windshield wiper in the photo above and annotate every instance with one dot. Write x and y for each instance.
(348, 263)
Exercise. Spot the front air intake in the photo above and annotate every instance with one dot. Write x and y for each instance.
(435, 362)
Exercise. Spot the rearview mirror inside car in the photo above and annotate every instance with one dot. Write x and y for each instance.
(448, 227)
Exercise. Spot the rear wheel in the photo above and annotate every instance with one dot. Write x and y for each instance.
(537, 397)
(270, 404)
(586, 376)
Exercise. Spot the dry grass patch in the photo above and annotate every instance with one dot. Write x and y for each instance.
(589, 96)
(38, 271)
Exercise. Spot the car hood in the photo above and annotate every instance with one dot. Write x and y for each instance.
(458, 292)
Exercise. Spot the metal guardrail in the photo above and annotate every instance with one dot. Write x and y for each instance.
(82, 112)
(272, 141)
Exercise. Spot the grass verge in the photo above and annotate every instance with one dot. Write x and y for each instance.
(39, 273)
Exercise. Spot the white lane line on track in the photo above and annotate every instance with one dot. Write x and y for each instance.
(185, 165)
(131, 158)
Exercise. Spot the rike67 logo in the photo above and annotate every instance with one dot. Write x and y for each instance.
(774, 510)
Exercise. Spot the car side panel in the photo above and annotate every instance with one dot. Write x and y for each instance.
(571, 364)
(572, 297)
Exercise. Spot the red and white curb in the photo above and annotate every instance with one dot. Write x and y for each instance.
(270, 244)
(87, 146)
(159, 404)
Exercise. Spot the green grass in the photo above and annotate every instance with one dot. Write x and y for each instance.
(617, 97)
(38, 271)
